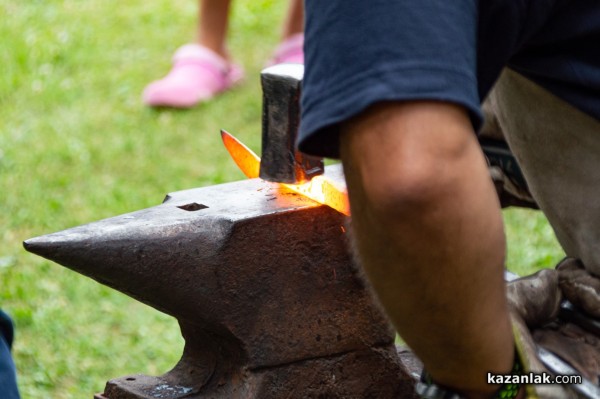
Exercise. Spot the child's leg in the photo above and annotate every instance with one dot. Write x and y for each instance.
(213, 18)
(294, 20)
(290, 50)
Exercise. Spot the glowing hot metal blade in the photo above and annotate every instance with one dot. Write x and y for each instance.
(244, 157)
(320, 188)
(324, 191)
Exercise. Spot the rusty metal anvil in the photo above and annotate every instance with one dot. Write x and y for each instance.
(264, 288)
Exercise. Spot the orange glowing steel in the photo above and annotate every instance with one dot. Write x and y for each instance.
(244, 157)
(319, 188)
(323, 191)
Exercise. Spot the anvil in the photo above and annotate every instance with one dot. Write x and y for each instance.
(262, 282)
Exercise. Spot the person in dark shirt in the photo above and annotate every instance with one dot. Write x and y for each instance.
(394, 89)
(8, 378)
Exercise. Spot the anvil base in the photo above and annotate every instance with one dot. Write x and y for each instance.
(372, 373)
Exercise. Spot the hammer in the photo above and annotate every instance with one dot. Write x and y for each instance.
(281, 161)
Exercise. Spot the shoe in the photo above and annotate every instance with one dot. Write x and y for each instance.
(197, 75)
(290, 51)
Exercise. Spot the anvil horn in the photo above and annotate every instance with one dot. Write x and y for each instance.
(144, 254)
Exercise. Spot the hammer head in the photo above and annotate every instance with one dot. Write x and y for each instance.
(280, 161)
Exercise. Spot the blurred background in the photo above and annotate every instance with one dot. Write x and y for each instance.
(77, 145)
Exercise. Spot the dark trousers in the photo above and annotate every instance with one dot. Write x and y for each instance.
(8, 375)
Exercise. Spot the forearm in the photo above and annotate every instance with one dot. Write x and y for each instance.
(433, 247)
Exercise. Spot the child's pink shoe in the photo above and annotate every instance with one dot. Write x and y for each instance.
(197, 75)
(290, 51)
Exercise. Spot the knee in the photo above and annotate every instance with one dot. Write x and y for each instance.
(407, 159)
(408, 187)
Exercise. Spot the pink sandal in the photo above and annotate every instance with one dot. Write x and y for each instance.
(290, 51)
(198, 74)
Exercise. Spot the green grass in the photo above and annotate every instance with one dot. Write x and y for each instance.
(76, 145)
(531, 242)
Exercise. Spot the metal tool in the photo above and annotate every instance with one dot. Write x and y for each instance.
(559, 367)
(283, 163)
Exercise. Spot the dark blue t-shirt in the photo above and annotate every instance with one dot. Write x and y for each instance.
(361, 52)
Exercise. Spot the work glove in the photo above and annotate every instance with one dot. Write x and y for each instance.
(536, 304)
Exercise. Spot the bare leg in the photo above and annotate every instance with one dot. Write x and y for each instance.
(213, 16)
(429, 233)
(290, 48)
(294, 21)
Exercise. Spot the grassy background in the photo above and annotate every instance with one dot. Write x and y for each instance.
(76, 145)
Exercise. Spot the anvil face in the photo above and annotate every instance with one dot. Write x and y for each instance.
(257, 279)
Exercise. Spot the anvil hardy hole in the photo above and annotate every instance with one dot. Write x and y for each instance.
(192, 207)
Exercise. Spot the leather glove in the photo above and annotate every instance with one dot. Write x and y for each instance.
(534, 303)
